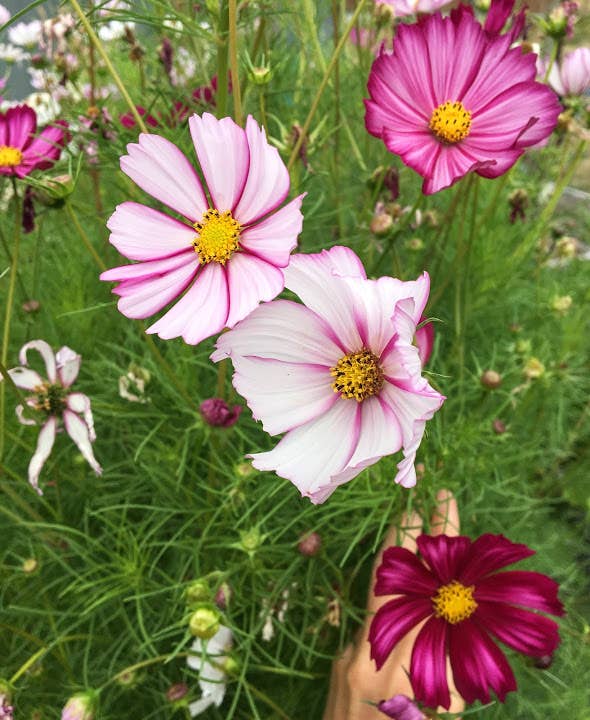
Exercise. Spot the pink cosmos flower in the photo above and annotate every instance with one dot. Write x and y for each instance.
(571, 76)
(403, 8)
(227, 252)
(51, 402)
(464, 600)
(339, 374)
(20, 151)
(450, 100)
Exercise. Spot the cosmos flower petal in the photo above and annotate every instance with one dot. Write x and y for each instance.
(478, 664)
(143, 298)
(163, 171)
(21, 124)
(46, 353)
(402, 572)
(412, 406)
(22, 418)
(268, 181)
(520, 587)
(392, 622)
(25, 378)
(428, 668)
(283, 330)
(251, 281)
(150, 269)
(79, 432)
(305, 391)
(68, 365)
(44, 445)
(273, 238)
(198, 707)
(80, 403)
(380, 433)
(142, 233)
(201, 312)
(490, 553)
(451, 165)
(224, 157)
(523, 631)
(45, 149)
(446, 556)
(310, 455)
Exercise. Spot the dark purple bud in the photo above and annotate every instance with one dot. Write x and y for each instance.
(166, 55)
(176, 692)
(391, 182)
(401, 707)
(28, 211)
(223, 596)
(310, 544)
(217, 412)
(543, 662)
(491, 379)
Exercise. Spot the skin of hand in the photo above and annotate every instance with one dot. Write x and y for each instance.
(354, 679)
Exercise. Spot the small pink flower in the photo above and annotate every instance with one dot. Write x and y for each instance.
(225, 256)
(20, 151)
(339, 375)
(51, 402)
(450, 100)
(456, 588)
(571, 76)
(403, 8)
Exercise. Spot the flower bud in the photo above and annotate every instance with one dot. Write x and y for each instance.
(499, 427)
(127, 678)
(176, 692)
(204, 622)
(30, 565)
(533, 369)
(561, 304)
(415, 244)
(31, 306)
(310, 544)
(491, 379)
(566, 247)
(198, 592)
(216, 412)
(401, 707)
(523, 347)
(54, 190)
(244, 469)
(80, 706)
(543, 662)
(223, 596)
(381, 224)
(251, 540)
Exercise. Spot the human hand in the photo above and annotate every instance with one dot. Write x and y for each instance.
(354, 678)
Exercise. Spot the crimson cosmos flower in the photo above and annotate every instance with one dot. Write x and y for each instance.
(464, 601)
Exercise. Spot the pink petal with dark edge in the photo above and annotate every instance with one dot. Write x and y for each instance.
(46, 353)
(44, 445)
(78, 431)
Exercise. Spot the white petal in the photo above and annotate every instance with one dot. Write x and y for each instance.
(80, 403)
(198, 707)
(46, 353)
(24, 378)
(273, 238)
(251, 281)
(68, 365)
(78, 431)
(23, 420)
(44, 445)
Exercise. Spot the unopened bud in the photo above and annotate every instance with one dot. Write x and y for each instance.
(523, 347)
(420, 470)
(561, 304)
(55, 189)
(29, 566)
(498, 427)
(401, 707)
(381, 224)
(244, 469)
(260, 75)
(251, 540)
(31, 306)
(543, 662)
(80, 706)
(566, 247)
(176, 692)
(127, 678)
(491, 379)
(533, 369)
(415, 244)
(223, 596)
(198, 592)
(216, 412)
(310, 544)
(204, 623)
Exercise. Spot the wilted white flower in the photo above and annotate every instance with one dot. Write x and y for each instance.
(45, 105)
(209, 659)
(12, 54)
(132, 384)
(26, 34)
(114, 30)
(172, 24)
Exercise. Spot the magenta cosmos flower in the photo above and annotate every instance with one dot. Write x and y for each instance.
(225, 255)
(51, 403)
(452, 99)
(339, 375)
(464, 601)
(21, 151)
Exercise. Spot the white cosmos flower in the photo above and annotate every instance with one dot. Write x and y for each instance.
(26, 34)
(208, 660)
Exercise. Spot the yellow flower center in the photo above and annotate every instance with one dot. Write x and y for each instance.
(50, 398)
(450, 122)
(217, 238)
(357, 375)
(454, 602)
(10, 156)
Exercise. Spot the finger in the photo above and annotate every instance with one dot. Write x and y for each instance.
(338, 696)
(445, 519)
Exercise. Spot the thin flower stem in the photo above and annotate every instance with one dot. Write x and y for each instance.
(323, 84)
(93, 37)
(539, 227)
(29, 663)
(9, 258)
(94, 173)
(163, 363)
(233, 61)
(8, 308)
(337, 118)
(222, 30)
(85, 239)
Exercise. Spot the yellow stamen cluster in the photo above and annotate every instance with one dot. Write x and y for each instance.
(49, 398)
(357, 375)
(450, 122)
(454, 602)
(218, 235)
(10, 156)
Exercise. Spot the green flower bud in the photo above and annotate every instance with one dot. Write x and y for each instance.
(204, 623)
(198, 592)
(80, 706)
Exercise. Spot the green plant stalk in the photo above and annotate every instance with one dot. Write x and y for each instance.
(323, 84)
(8, 308)
(539, 227)
(94, 172)
(222, 52)
(233, 61)
(93, 37)
(337, 118)
(85, 239)
(9, 258)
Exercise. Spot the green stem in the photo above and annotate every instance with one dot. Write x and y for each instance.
(233, 61)
(316, 101)
(23, 291)
(163, 363)
(222, 29)
(8, 308)
(23, 668)
(539, 227)
(93, 37)
(403, 223)
(85, 239)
